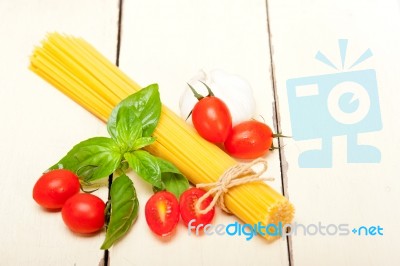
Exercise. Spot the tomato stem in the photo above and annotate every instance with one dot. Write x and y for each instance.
(273, 147)
(279, 135)
(210, 93)
(189, 115)
(195, 93)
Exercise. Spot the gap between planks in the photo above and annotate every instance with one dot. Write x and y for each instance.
(105, 261)
(277, 122)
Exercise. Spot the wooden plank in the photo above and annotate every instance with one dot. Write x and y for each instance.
(39, 125)
(167, 42)
(351, 185)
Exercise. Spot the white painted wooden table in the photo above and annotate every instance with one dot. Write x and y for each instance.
(268, 43)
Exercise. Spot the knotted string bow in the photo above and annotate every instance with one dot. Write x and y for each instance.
(236, 175)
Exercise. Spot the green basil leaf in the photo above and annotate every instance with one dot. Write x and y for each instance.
(174, 181)
(145, 104)
(128, 128)
(146, 166)
(167, 167)
(124, 210)
(122, 169)
(92, 159)
(142, 142)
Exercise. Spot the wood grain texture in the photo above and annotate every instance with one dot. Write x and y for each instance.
(357, 194)
(39, 125)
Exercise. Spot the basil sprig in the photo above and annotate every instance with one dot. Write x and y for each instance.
(130, 125)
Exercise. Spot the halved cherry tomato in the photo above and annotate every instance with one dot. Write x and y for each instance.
(212, 119)
(187, 205)
(162, 213)
(53, 188)
(249, 140)
(84, 213)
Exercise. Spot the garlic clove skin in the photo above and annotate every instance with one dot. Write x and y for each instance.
(235, 91)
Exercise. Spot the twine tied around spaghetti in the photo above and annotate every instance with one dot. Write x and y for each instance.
(236, 175)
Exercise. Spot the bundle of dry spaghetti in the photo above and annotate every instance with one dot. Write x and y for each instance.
(78, 70)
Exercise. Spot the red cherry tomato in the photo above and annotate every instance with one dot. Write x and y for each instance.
(249, 140)
(84, 213)
(187, 205)
(53, 188)
(162, 213)
(212, 119)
